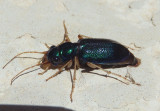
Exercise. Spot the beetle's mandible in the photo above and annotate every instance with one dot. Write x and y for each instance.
(95, 53)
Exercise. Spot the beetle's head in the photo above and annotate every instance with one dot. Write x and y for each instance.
(53, 56)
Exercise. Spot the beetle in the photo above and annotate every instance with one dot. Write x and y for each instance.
(95, 53)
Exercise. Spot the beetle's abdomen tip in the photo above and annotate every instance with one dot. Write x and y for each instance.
(136, 62)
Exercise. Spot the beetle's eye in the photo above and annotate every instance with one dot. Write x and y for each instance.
(56, 59)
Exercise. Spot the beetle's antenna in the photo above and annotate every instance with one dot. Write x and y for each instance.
(21, 54)
(30, 58)
(24, 74)
(17, 75)
(20, 73)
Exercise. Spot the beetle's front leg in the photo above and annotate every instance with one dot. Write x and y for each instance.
(47, 68)
(66, 38)
(59, 71)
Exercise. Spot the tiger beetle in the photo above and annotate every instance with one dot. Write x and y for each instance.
(95, 53)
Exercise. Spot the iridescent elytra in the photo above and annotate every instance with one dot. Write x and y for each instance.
(90, 52)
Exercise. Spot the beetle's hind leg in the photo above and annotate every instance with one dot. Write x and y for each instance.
(109, 72)
(21, 54)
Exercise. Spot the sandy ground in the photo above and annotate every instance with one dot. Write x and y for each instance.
(25, 25)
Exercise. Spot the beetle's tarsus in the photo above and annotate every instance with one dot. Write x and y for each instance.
(128, 75)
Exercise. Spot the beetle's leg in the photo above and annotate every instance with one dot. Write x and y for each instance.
(83, 36)
(48, 67)
(66, 38)
(110, 77)
(93, 65)
(69, 65)
(23, 53)
(109, 72)
(60, 70)
(19, 74)
(76, 64)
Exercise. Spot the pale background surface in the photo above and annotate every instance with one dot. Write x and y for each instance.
(126, 21)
